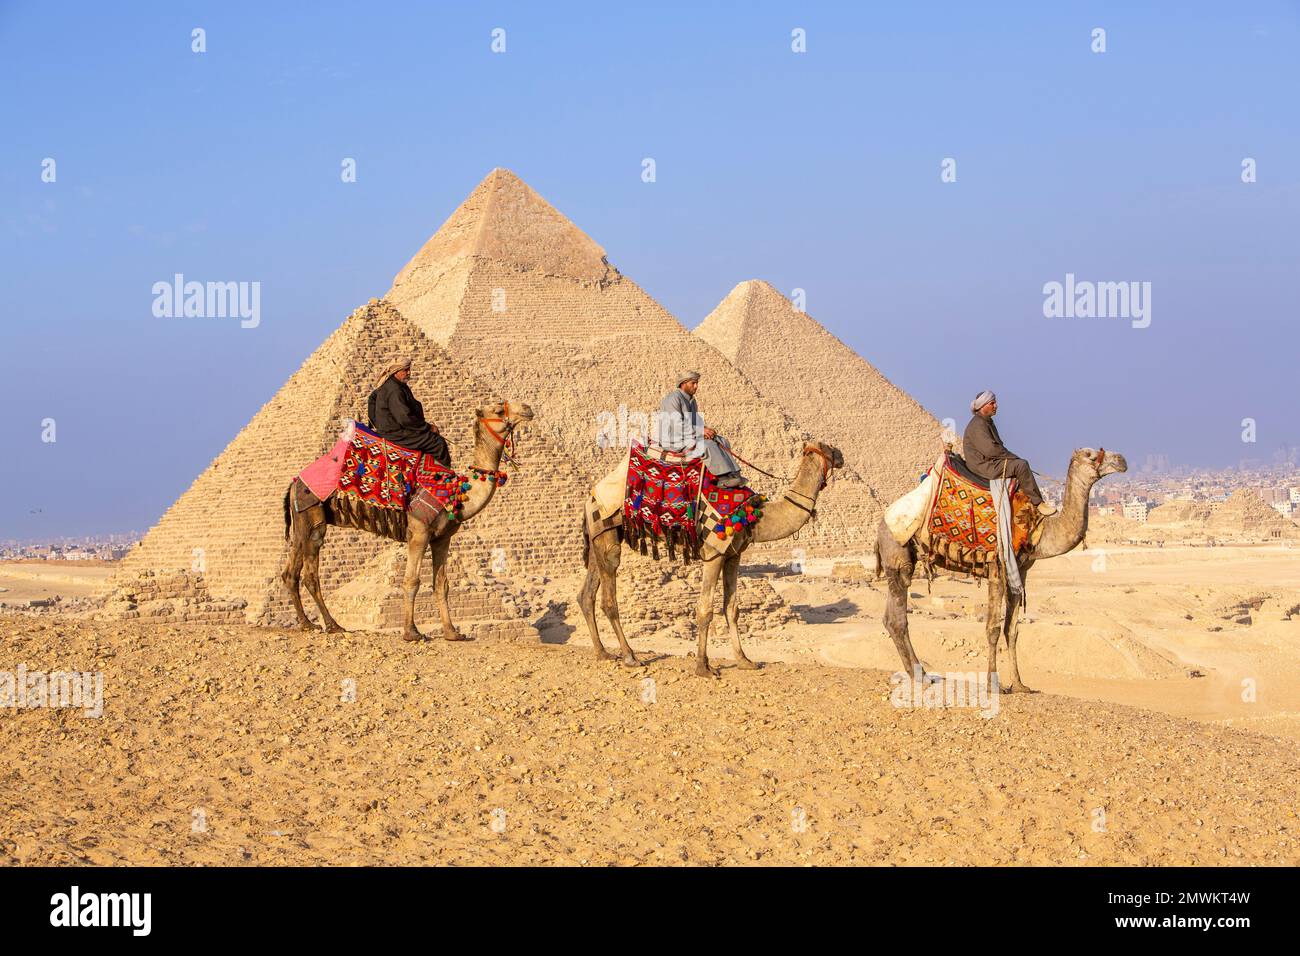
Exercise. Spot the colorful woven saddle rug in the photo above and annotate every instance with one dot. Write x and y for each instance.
(963, 522)
(379, 473)
(679, 503)
(727, 510)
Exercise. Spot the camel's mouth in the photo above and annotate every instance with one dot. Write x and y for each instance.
(1115, 464)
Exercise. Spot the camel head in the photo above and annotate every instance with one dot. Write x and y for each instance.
(828, 456)
(1095, 464)
(501, 418)
(504, 413)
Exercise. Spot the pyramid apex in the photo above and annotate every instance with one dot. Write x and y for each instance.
(505, 220)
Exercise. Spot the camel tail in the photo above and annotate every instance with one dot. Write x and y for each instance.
(880, 565)
(586, 541)
(288, 516)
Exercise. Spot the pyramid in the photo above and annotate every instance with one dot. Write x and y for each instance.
(814, 377)
(508, 299)
(1247, 513)
(1180, 512)
(531, 302)
(218, 551)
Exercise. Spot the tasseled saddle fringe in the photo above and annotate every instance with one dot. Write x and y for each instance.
(645, 540)
(347, 512)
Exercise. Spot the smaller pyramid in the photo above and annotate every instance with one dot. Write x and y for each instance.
(219, 550)
(1247, 513)
(886, 436)
(1179, 512)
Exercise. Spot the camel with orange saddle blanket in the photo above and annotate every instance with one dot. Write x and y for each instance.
(657, 497)
(951, 521)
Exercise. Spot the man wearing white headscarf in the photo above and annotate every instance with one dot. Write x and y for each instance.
(396, 416)
(681, 429)
(986, 455)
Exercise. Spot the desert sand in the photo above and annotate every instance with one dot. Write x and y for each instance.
(233, 743)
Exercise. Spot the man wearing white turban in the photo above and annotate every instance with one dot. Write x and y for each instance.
(987, 457)
(681, 429)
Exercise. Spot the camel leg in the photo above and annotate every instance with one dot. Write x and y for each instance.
(299, 528)
(993, 628)
(1012, 625)
(896, 618)
(896, 561)
(598, 563)
(438, 550)
(609, 604)
(704, 616)
(292, 574)
(417, 540)
(311, 576)
(731, 609)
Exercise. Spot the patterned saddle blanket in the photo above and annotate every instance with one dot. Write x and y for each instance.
(384, 475)
(680, 503)
(963, 523)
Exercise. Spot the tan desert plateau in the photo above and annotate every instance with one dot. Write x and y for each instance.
(1166, 729)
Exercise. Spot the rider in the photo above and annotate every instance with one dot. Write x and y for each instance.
(396, 416)
(681, 429)
(989, 458)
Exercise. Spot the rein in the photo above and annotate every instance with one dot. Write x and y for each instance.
(810, 508)
(807, 450)
(745, 461)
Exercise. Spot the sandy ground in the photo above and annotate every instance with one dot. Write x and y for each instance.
(23, 581)
(237, 745)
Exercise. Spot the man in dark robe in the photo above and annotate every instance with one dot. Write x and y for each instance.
(396, 416)
(986, 455)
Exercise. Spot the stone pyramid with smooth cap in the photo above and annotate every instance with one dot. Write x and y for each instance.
(509, 299)
(815, 378)
(531, 303)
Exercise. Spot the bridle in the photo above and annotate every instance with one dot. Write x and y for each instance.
(506, 437)
(827, 465)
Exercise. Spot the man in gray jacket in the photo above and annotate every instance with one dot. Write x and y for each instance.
(681, 429)
(986, 455)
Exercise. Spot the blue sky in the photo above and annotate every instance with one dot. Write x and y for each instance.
(817, 170)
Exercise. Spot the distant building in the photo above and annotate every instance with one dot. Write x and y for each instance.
(1136, 510)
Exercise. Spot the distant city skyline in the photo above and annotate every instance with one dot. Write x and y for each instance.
(959, 194)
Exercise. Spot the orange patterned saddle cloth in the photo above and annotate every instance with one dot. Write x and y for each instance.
(963, 522)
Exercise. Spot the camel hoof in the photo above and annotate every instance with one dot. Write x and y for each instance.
(1021, 689)
(412, 635)
(307, 626)
(455, 636)
(745, 664)
(630, 660)
(704, 670)
(336, 628)
(604, 655)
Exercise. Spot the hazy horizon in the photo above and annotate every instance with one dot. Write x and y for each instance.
(819, 171)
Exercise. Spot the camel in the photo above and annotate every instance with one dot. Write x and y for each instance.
(306, 518)
(602, 552)
(1061, 533)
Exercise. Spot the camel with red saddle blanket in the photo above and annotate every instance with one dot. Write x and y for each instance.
(654, 498)
(376, 486)
(958, 532)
